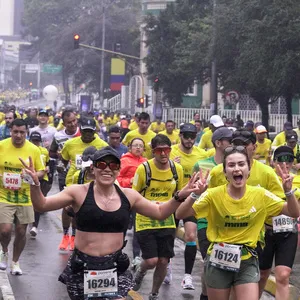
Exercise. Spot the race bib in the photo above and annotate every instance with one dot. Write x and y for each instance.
(78, 161)
(226, 257)
(12, 181)
(283, 223)
(102, 283)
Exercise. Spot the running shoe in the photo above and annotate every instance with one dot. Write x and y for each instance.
(72, 240)
(3, 260)
(64, 242)
(33, 231)
(153, 296)
(168, 278)
(138, 279)
(187, 282)
(15, 268)
(136, 263)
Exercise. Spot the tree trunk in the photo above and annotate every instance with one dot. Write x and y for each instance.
(263, 104)
(288, 101)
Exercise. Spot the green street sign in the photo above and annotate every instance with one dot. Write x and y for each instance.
(51, 69)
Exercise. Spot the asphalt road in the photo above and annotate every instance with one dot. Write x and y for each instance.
(42, 263)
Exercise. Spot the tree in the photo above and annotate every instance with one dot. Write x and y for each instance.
(257, 49)
(55, 23)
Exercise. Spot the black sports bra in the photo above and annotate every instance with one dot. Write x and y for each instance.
(91, 218)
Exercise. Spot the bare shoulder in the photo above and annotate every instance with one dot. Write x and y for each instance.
(77, 190)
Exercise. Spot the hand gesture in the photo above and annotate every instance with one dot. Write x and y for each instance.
(197, 184)
(287, 178)
(29, 169)
(177, 159)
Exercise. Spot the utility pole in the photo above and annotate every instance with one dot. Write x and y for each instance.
(101, 92)
(214, 73)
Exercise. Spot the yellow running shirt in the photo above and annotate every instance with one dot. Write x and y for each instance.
(157, 128)
(45, 158)
(12, 189)
(161, 189)
(72, 151)
(206, 142)
(145, 137)
(279, 139)
(187, 161)
(174, 137)
(236, 221)
(133, 125)
(263, 149)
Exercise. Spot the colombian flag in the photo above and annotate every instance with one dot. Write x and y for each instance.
(117, 74)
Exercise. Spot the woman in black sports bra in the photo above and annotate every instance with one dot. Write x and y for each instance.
(97, 267)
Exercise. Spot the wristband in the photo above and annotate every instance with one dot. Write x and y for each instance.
(194, 196)
(176, 197)
(290, 193)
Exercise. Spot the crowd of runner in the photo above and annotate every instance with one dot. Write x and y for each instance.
(234, 189)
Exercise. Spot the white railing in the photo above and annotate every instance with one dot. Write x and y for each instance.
(181, 115)
(114, 103)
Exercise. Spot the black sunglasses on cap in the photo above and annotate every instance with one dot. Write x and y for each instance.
(231, 149)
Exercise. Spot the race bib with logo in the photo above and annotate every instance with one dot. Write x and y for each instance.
(78, 161)
(12, 181)
(102, 283)
(284, 223)
(226, 257)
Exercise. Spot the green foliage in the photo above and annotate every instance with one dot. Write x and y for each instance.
(55, 22)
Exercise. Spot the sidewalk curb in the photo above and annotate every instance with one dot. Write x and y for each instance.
(271, 283)
(6, 292)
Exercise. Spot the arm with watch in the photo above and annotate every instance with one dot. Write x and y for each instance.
(164, 210)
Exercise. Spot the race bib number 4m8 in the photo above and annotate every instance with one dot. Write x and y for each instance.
(12, 181)
(102, 283)
(283, 223)
(226, 257)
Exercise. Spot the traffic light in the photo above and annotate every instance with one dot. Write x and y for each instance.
(117, 47)
(30, 83)
(76, 41)
(147, 100)
(140, 102)
(156, 84)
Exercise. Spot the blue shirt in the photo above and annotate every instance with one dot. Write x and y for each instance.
(122, 149)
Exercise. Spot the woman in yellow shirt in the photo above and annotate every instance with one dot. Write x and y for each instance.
(236, 214)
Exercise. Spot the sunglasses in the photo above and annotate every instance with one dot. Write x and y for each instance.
(243, 133)
(189, 135)
(238, 142)
(285, 158)
(137, 146)
(231, 149)
(102, 165)
(159, 151)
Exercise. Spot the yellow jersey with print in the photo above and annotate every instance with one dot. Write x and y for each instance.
(236, 221)
(260, 175)
(279, 139)
(72, 151)
(133, 125)
(147, 137)
(157, 128)
(206, 142)
(45, 158)
(263, 149)
(174, 137)
(161, 189)
(12, 188)
(187, 161)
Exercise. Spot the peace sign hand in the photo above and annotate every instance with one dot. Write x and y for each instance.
(29, 171)
(197, 184)
(287, 178)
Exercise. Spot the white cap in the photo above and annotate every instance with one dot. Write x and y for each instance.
(216, 120)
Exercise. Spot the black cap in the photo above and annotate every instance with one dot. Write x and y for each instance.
(288, 126)
(291, 136)
(43, 112)
(35, 136)
(88, 153)
(283, 151)
(244, 135)
(188, 127)
(222, 133)
(88, 123)
(106, 151)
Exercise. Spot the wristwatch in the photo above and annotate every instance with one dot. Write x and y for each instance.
(177, 198)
